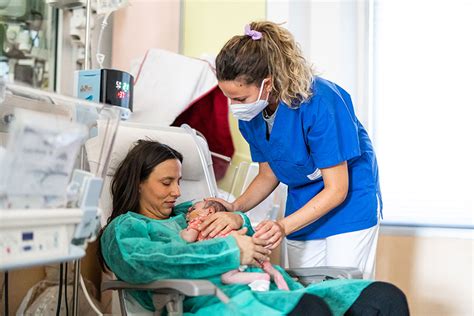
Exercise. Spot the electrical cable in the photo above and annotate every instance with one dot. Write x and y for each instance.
(5, 282)
(89, 300)
(60, 290)
(65, 289)
(99, 56)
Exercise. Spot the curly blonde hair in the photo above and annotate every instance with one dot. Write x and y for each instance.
(276, 54)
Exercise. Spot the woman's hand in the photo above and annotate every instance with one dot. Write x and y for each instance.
(220, 223)
(252, 250)
(270, 231)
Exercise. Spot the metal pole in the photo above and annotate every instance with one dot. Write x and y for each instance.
(88, 36)
(77, 263)
(75, 289)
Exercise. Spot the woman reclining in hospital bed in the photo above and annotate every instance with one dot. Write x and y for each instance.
(141, 243)
(257, 281)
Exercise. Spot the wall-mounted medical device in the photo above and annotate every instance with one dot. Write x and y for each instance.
(28, 42)
(109, 86)
(49, 195)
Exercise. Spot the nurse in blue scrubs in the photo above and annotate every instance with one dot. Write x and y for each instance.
(303, 132)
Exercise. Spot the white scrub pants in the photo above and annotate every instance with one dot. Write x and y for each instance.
(355, 249)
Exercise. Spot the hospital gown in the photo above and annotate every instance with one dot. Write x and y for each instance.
(139, 249)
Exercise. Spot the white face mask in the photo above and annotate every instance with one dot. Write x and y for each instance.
(247, 111)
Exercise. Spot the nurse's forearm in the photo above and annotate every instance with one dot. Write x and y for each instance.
(316, 208)
(336, 185)
(258, 190)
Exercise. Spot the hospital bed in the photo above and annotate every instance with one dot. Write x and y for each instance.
(197, 182)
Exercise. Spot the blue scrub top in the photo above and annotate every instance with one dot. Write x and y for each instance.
(321, 133)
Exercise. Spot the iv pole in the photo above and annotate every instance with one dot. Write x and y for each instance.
(77, 263)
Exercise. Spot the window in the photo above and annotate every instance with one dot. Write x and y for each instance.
(423, 110)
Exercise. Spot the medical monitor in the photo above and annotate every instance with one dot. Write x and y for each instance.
(42, 137)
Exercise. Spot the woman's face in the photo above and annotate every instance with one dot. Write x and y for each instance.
(159, 192)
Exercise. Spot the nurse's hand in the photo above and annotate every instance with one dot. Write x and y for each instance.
(220, 223)
(272, 232)
(228, 206)
(252, 250)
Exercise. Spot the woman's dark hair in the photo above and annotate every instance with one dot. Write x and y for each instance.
(132, 171)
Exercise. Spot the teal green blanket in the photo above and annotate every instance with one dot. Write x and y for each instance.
(141, 250)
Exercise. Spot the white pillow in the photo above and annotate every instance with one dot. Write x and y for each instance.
(166, 84)
(193, 184)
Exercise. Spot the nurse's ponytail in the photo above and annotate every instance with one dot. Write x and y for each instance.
(275, 53)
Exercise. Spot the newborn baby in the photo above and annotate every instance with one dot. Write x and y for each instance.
(195, 216)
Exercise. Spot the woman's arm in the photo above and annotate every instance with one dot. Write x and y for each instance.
(222, 223)
(336, 184)
(135, 257)
(258, 190)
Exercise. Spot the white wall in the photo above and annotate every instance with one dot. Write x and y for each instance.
(143, 25)
(332, 35)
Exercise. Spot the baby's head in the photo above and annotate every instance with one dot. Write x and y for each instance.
(204, 208)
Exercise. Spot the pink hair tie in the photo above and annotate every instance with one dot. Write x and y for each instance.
(255, 35)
